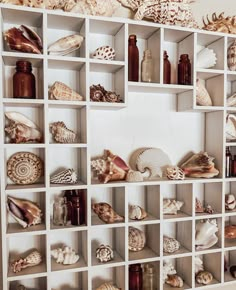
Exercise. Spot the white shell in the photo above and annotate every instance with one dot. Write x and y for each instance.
(136, 212)
(168, 269)
(175, 173)
(65, 256)
(19, 118)
(231, 101)
(104, 52)
(230, 202)
(134, 176)
(171, 206)
(231, 56)
(230, 127)
(67, 176)
(206, 58)
(104, 253)
(137, 239)
(205, 236)
(170, 245)
(66, 45)
(198, 265)
(107, 286)
(202, 96)
(61, 133)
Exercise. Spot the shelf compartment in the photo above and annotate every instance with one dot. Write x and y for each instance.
(230, 188)
(36, 283)
(113, 196)
(152, 247)
(230, 260)
(77, 241)
(69, 280)
(230, 220)
(115, 238)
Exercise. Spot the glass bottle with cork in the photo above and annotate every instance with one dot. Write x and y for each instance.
(147, 67)
(133, 59)
(135, 277)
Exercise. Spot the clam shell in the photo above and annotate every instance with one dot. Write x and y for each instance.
(105, 53)
(104, 253)
(206, 58)
(60, 91)
(137, 239)
(231, 56)
(175, 281)
(230, 202)
(230, 130)
(107, 286)
(231, 101)
(136, 212)
(61, 133)
(204, 277)
(66, 45)
(170, 245)
(202, 95)
(67, 176)
(24, 168)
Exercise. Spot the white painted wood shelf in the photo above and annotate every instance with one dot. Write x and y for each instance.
(94, 122)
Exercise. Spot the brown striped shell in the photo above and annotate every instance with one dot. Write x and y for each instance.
(137, 239)
(61, 133)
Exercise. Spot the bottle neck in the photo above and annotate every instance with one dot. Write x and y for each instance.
(23, 66)
(184, 58)
(147, 54)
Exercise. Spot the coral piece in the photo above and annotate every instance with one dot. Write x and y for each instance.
(105, 53)
(231, 56)
(107, 286)
(25, 212)
(110, 167)
(220, 23)
(230, 232)
(21, 129)
(67, 176)
(230, 130)
(202, 95)
(171, 206)
(231, 101)
(23, 39)
(106, 213)
(65, 255)
(175, 281)
(198, 265)
(104, 253)
(204, 277)
(60, 91)
(61, 133)
(205, 235)
(137, 239)
(134, 176)
(99, 94)
(232, 270)
(136, 212)
(66, 45)
(175, 173)
(170, 245)
(230, 202)
(198, 206)
(24, 168)
(206, 58)
(200, 165)
(31, 260)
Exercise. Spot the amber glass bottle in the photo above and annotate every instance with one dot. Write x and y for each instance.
(166, 69)
(24, 81)
(133, 55)
(135, 277)
(184, 70)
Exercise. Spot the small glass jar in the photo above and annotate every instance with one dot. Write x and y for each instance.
(184, 70)
(135, 277)
(147, 67)
(149, 279)
(59, 212)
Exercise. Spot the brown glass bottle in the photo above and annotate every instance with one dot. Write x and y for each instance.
(75, 212)
(133, 56)
(135, 277)
(166, 69)
(228, 163)
(184, 70)
(24, 81)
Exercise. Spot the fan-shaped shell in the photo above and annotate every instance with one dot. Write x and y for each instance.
(66, 45)
(202, 95)
(230, 130)
(206, 58)
(137, 239)
(104, 52)
(104, 253)
(136, 212)
(231, 56)
(24, 168)
(67, 176)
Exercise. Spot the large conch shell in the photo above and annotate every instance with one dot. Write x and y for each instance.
(25, 212)
(136, 212)
(31, 260)
(205, 235)
(230, 130)
(21, 129)
(67, 176)
(23, 39)
(206, 58)
(60, 91)
(61, 133)
(137, 239)
(202, 95)
(171, 206)
(231, 56)
(220, 23)
(106, 213)
(65, 256)
(107, 286)
(231, 101)
(200, 165)
(66, 45)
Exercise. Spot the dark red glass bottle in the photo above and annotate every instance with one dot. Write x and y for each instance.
(228, 163)
(135, 277)
(75, 212)
(133, 55)
(24, 81)
(184, 70)
(166, 69)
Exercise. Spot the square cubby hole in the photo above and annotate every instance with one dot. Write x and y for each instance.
(230, 189)
(114, 196)
(33, 283)
(230, 89)
(229, 261)
(148, 198)
(229, 221)
(69, 281)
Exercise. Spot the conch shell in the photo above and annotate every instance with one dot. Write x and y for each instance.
(205, 236)
(230, 232)
(171, 206)
(175, 281)
(61, 133)
(65, 256)
(60, 91)
(107, 286)
(230, 130)
(200, 165)
(220, 23)
(31, 260)
(136, 212)
(25, 212)
(202, 95)
(106, 213)
(66, 45)
(67, 176)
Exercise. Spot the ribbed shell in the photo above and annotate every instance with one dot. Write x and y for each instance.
(60, 91)
(107, 286)
(231, 56)
(105, 53)
(67, 176)
(202, 95)
(61, 133)
(137, 239)
(170, 245)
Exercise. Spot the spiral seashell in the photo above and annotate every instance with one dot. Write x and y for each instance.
(202, 95)
(171, 206)
(106, 213)
(137, 239)
(24, 168)
(206, 58)
(170, 245)
(230, 202)
(136, 212)
(175, 173)
(60, 91)
(204, 277)
(107, 286)
(33, 259)
(67, 176)
(104, 253)
(231, 56)
(66, 45)
(65, 256)
(105, 53)
(175, 281)
(61, 133)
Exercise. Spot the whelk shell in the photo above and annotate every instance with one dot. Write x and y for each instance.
(137, 239)
(136, 212)
(104, 253)
(106, 213)
(107, 286)
(66, 45)
(104, 52)
(61, 133)
(31, 260)
(65, 256)
(202, 95)
(60, 91)
(67, 176)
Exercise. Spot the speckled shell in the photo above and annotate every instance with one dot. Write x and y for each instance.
(106, 213)
(137, 239)
(230, 202)
(61, 133)
(175, 173)
(107, 286)
(104, 52)
(175, 281)
(231, 56)
(66, 45)
(24, 168)
(204, 277)
(104, 253)
(60, 91)
(31, 260)
(67, 176)
(136, 212)
(202, 96)
(170, 245)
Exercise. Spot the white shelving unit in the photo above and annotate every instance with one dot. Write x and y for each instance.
(104, 125)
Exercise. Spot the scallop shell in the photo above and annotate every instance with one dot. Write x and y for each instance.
(230, 130)
(60, 91)
(137, 239)
(204, 277)
(206, 58)
(61, 133)
(202, 95)
(33, 259)
(134, 176)
(104, 253)
(136, 212)
(175, 281)
(231, 56)
(230, 202)
(66, 45)
(107, 286)
(104, 52)
(67, 176)
(171, 206)
(24, 168)
(170, 245)
(175, 173)
(231, 101)
(65, 256)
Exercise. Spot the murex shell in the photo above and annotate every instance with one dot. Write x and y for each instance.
(104, 52)
(230, 232)
(136, 212)
(220, 23)
(175, 173)
(231, 56)
(66, 45)
(230, 202)
(175, 281)
(24, 168)
(107, 286)
(106, 213)
(67, 176)
(31, 260)
(25, 212)
(104, 253)
(202, 95)
(204, 277)
(230, 130)
(171, 206)
(137, 239)
(170, 245)
(65, 256)
(205, 235)
(206, 58)
(60, 91)
(61, 133)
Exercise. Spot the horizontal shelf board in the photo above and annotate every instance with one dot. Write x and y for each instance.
(181, 252)
(95, 221)
(15, 188)
(230, 144)
(231, 109)
(31, 272)
(66, 104)
(116, 260)
(111, 66)
(213, 282)
(229, 179)
(79, 266)
(65, 62)
(168, 287)
(178, 216)
(214, 249)
(148, 219)
(60, 187)
(145, 253)
(143, 222)
(24, 145)
(106, 106)
(10, 58)
(206, 109)
(207, 73)
(68, 228)
(23, 102)
(17, 229)
(230, 212)
(70, 145)
(199, 216)
(147, 260)
(230, 243)
(228, 277)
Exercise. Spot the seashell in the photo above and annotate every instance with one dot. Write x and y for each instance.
(231, 56)
(104, 253)
(137, 239)
(67, 176)
(20, 287)
(175, 281)
(65, 256)
(198, 206)
(230, 130)
(106, 213)
(60, 91)
(175, 173)
(24, 168)
(208, 209)
(232, 270)
(171, 206)
(198, 265)
(205, 236)
(31, 260)
(200, 165)
(21, 129)
(202, 96)
(136, 212)
(206, 58)
(107, 286)
(230, 232)
(231, 101)
(151, 161)
(99, 94)
(220, 23)
(170, 245)
(61, 133)
(105, 53)
(25, 212)
(168, 269)
(204, 277)
(134, 176)
(66, 45)
(230, 202)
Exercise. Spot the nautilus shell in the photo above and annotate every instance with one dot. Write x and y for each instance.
(61, 133)
(230, 202)
(202, 96)
(175, 281)
(66, 45)
(230, 232)
(107, 286)
(137, 239)
(67, 176)
(206, 58)
(104, 253)
(65, 256)
(31, 260)
(205, 235)
(24, 168)
(231, 56)
(60, 91)
(204, 277)
(174, 173)
(170, 245)
(105, 53)
(106, 213)
(171, 206)
(136, 212)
